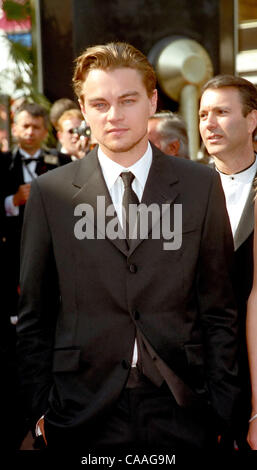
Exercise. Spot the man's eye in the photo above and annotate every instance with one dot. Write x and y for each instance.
(99, 105)
(128, 101)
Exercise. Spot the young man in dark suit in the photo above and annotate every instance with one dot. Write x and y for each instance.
(228, 119)
(135, 343)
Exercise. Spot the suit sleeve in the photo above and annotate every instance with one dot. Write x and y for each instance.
(39, 304)
(217, 304)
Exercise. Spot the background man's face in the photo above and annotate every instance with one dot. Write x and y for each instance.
(117, 107)
(66, 137)
(223, 127)
(29, 132)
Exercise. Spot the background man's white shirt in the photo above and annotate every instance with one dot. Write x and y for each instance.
(237, 188)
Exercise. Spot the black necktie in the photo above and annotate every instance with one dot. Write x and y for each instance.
(40, 166)
(129, 214)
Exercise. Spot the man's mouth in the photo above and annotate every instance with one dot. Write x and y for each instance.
(117, 131)
(214, 138)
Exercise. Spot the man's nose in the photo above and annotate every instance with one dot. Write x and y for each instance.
(30, 130)
(115, 113)
(211, 121)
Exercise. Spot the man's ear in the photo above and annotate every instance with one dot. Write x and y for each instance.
(173, 148)
(14, 133)
(82, 107)
(153, 102)
(252, 120)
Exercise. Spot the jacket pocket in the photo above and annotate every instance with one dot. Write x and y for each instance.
(66, 359)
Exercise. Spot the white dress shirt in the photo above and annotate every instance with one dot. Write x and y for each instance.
(111, 172)
(237, 188)
(28, 175)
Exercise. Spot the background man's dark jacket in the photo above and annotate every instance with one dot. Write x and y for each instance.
(11, 226)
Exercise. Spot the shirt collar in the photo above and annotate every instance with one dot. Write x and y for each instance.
(27, 155)
(112, 170)
(244, 176)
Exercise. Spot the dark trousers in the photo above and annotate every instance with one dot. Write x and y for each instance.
(144, 418)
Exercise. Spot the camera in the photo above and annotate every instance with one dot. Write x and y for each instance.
(83, 130)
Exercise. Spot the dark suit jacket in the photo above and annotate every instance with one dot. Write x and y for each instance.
(243, 278)
(242, 281)
(11, 178)
(75, 345)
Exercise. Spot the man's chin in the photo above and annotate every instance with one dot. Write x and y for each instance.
(122, 147)
(215, 150)
(28, 146)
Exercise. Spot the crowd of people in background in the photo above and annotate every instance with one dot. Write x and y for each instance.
(228, 128)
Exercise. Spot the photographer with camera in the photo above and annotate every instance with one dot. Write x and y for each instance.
(73, 134)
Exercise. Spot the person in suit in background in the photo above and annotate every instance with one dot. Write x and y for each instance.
(18, 168)
(228, 119)
(24, 163)
(251, 332)
(135, 344)
(168, 132)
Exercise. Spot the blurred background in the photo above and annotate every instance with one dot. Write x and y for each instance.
(187, 42)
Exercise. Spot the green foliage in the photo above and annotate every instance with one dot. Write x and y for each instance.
(16, 11)
(22, 56)
(20, 53)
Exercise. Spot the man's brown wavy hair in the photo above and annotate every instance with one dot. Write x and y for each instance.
(109, 57)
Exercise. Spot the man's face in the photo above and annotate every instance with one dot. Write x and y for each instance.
(66, 136)
(116, 106)
(29, 132)
(224, 129)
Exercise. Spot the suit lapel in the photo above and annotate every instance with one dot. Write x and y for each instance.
(93, 191)
(246, 223)
(160, 189)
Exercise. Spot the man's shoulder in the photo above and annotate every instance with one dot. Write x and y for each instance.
(71, 168)
(9, 154)
(59, 157)
(59, 173)
(6, 158)
(61, 177)
(187, 168)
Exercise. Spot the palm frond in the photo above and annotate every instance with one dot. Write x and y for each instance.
(16, 11)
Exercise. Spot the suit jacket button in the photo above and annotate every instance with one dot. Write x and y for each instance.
(133, 268)
(125, 364)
